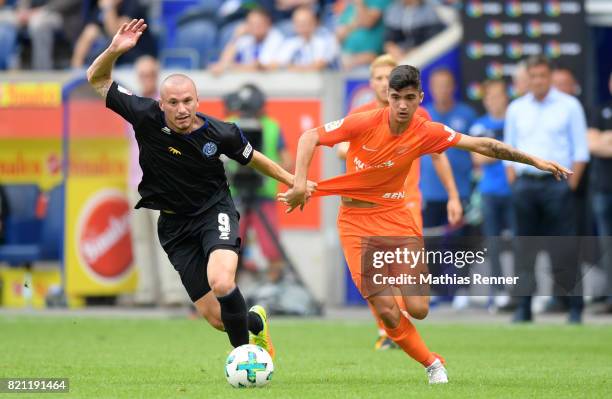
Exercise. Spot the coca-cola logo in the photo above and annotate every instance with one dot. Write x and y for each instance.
(103, 239)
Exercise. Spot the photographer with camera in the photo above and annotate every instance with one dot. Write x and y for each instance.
(255, 194)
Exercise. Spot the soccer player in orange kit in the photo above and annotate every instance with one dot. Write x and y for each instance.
(380, 69)
(384, 143)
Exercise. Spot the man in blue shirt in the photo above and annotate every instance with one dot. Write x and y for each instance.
(459, 117)
(600, 144)
(493, 186)
(550, 124)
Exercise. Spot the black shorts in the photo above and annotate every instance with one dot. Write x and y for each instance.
(189, 240)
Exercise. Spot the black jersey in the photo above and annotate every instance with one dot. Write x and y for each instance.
(182, 173)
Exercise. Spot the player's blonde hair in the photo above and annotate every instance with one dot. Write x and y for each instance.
(383, 60)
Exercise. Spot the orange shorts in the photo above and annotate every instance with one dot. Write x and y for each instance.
(357, 225)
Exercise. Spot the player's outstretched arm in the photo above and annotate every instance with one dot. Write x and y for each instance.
(298, 193)
(99, 73)
(496, 149)
(268, 167)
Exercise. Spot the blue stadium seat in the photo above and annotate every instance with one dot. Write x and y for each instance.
(200, 35)
(28, 239)
(170, 11)
(22, 226)
(52, 231)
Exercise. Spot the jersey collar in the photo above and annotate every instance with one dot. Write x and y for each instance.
(167, 130)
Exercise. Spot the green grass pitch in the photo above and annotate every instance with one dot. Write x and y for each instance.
(152, 358)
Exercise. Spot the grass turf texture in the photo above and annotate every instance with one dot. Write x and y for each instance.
(132, 358)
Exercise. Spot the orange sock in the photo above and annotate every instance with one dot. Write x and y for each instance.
(408, 338)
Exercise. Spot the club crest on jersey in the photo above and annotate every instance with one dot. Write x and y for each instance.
(209, 149)
(333, 125)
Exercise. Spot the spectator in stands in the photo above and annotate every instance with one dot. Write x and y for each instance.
(520, 80)
(408, 24)
(44, 19)
(307, 51)
(600, 145)
(8, 34)
(103, 20)
(563, 80)
(361, 32)
(460, 117)
(253, 46)
(282, 11)
(158, 283)
(496, 204)
(550, 124)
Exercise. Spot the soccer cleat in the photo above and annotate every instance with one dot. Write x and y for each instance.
(263, 338)
(437, 372)
(384, 343)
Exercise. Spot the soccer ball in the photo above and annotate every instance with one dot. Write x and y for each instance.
(249, 366)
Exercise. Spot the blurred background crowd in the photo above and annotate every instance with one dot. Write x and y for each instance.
(542, 109)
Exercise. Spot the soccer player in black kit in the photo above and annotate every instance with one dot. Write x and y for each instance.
(184, 178)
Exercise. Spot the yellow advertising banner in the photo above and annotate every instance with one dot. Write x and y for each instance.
(30, 94)
(98, 245)
(31, 161)
(39, 161)
(97, 239)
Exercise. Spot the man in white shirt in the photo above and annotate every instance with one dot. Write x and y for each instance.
(253, 45)
(307, 51)
(551, 125)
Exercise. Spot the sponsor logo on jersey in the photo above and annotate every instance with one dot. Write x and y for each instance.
(209, 149)
(398, 195)
(333, 125)
(174, 151)
(166, 130)
(368, 149)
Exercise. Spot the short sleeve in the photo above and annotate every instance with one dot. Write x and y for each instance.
(235, 145)
(437, 138)
(130, 106)
(342, 130)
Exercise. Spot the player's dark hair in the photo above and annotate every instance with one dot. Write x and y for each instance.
(537, 60)
(403, 76)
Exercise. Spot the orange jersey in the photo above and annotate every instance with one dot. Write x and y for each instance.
(413, 193)
(378, 162)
